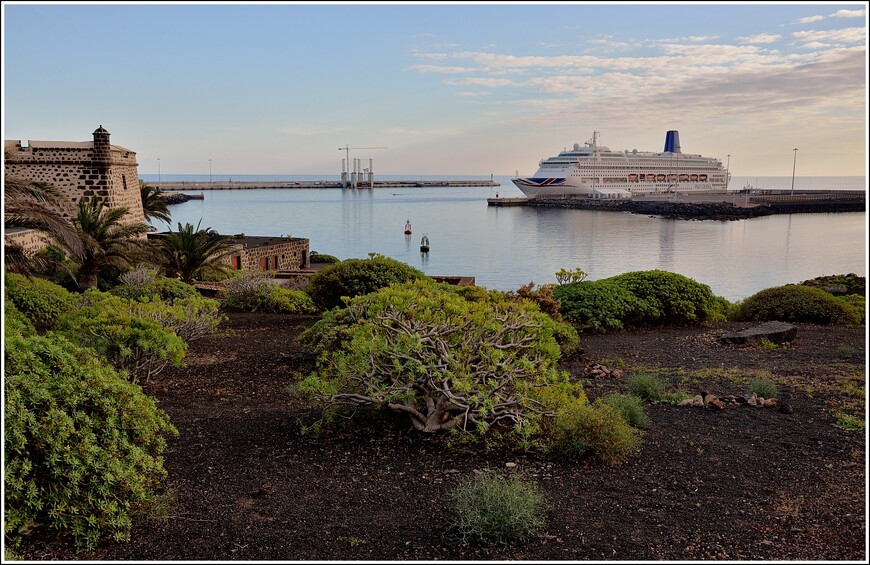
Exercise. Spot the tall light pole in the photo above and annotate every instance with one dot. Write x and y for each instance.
(727, 172)
(209, 170)
(793, 169)
(158, 172)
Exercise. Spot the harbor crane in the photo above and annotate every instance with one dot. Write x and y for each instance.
(353, 175)
(347, 149)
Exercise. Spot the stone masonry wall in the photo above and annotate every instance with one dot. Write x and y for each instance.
(78, 170)
(292, 255)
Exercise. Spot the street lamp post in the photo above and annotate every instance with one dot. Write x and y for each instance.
(209, 170)
(793, 169)
(158, 172)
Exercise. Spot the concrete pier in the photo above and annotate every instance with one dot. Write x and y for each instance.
(248, 185)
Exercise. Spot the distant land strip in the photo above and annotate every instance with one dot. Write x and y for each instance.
(248, 185)
(704, 210)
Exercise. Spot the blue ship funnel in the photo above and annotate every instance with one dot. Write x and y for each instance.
(672, 142)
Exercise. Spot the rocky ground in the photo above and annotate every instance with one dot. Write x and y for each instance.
(740, 483)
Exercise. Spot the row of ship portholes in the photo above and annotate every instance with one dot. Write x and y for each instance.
(657, 178)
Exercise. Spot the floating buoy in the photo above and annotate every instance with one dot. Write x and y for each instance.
(424, 244)
(408, 227)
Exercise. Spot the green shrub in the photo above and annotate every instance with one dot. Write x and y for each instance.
(670, 298)
(495, 508)
(160, 288)
(598, 305)
(16, 322)
(849, 422)
(630, 407)
(646, 387)
(42, 302)
(593, 430)
(797, 303)
(117, 330)
(858, 304)
(357, 277)
(315, 257)
(840, 285)
(449, 364)
(81, 445)
(257, 293)
(763, 388)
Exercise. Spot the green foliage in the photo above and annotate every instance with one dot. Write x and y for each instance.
(40, 301)
(565, 276)
(357, 277)
(315, 257)
(593, 430)
(669, 298)
(494, 508)
(640, 298)
(16, 322)
(157, 288)
(840, 285)
(81, 445)
(630, 407)
(797, 303)
(765, 388)
(450, 364)
(646, 387)
(122, 332)
(257, 293)
(858, 304)
(192, 253)
(327, 334)
(849, 422)
(598, 305)
(542, 296)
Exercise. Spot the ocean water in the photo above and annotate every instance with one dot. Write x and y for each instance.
(504, 248)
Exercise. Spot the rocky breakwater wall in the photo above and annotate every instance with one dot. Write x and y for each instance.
(699, 210)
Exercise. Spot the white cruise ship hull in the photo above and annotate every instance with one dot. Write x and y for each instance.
(598, 172)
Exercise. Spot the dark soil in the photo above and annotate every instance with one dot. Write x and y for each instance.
(741, 483)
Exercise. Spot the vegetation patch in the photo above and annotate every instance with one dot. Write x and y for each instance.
(797, 303)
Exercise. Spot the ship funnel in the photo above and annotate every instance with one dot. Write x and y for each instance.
(672, 142)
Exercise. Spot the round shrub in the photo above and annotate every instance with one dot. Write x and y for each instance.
(161, 288)
(82, 445)
(257, 293)
(763, 388)
(598, 305)
(630, 407)
(16, 322)
(593, 430)
(356, 277)
(42, 302)
(858, 304)
(315, 257)
(797, 303)
(495, 508)
(645, 387)
(669, 298)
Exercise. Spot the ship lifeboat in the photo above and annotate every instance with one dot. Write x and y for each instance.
(632, 177)
(693, 177)
(408, 227)
(672, 177)
(702, 178)
(661, 178)
(684, 178)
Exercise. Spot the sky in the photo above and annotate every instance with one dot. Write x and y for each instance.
(440, 88)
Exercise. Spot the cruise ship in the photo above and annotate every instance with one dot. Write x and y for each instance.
(597, 172)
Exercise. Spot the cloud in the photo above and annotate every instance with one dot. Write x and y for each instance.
(760, 38)
(491, 82)
(468, 94)
(425, 132)
(847, 14)
(440, 69)
(844, 35)
(810, 19)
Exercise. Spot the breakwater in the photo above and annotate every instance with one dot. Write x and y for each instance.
(248, 185)
(724, 210)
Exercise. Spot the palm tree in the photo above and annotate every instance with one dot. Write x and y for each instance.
(153, 203)
(35, 205)
(191, 253)
(106, 241)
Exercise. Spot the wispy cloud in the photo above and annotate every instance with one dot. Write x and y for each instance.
(441, 70)
(468, 94)
(837, 14)
(448, 132)
(761, 38)
(840, 36)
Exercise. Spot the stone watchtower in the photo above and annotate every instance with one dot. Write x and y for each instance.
(81, 169)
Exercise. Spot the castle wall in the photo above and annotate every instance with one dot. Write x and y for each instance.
(287, 256)
(81, 170)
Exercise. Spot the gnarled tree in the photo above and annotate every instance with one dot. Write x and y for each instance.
(449, 363)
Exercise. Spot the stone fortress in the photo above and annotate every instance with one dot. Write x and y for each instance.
(82, 169)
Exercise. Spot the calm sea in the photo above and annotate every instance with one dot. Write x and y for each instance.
(504, 248)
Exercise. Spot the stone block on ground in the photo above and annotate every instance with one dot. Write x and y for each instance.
(776, 332)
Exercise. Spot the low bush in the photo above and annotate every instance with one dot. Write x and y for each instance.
(16, 322)
(258, 293)
(840, 285)
(117, 329)
(40, 301)
(763, 388)
(357, 277)
(593, 430)
(81, 445)
(646, 387)
(630, 407)
(315, 257)
(598, 305)
(797, 303)
(670, 298)
(160, 288)
(493, 508)
(858, 304)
